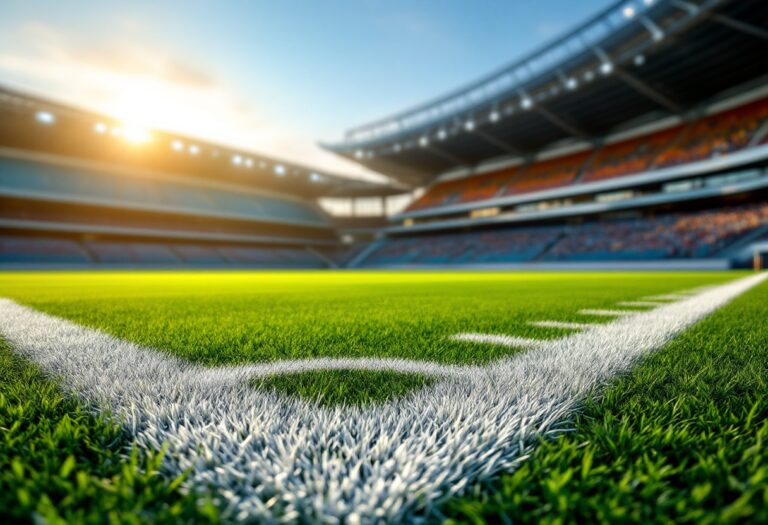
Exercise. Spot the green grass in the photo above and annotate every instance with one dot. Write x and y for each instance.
(60, 464)
(344, 387)
(220, 318)
(681, 439)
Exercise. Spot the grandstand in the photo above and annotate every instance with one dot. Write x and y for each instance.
(638, 138)
(83, 190)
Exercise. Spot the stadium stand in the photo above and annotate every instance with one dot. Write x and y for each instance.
(629, 156)
(719, 134)
(673, 235)
(30, 250)
(39, 179)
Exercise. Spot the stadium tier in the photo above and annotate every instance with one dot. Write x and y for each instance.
(692, 234)
(712, 136)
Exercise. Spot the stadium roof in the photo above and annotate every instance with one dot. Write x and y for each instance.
(636, 61)
(81, 133)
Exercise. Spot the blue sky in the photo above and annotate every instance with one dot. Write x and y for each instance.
(270, 76)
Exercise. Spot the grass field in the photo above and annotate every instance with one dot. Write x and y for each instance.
(679, 438)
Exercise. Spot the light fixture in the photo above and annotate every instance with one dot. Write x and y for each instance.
(315, 177)
(237, 160)
(526, 103)
(45, 117)
(136, 134)
(441, 134)
(194, 149)
(628, 11)
(589, 76)
(177, 145)
(571, 83)
(117, 131)
(398, 147)
(639, 60)
(469, 125)
(424, 141)
(359, 154)
(279, 170)
(606, 68)
(100, 128)
(494, 116)
(249, 163)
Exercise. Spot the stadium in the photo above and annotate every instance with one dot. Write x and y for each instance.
(546, 307)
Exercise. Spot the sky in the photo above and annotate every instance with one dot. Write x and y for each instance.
(270, 76)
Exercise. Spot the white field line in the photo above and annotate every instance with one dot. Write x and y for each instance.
(640, 303)
(667, 297)
(274, 458)
(606, 312)
(561, 324)
(504, 340)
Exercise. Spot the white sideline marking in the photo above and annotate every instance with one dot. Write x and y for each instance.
(640, 303)
(667, 297)
(278, 458)
(561, 324)
(607, 313)
(504, 340)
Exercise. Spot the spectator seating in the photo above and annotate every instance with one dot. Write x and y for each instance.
(717, 134)
(673, 235)
(36, 250)
(710, 136)
(629, 156)
(547, 174)
(48, 181)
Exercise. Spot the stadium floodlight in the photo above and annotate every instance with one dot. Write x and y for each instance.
(628, 11)
(526, 103)
(248, 163)
(194, 149)
(279, 170)
(424, 141)
(571, 83)
(100, 128)
(606, 68)
(469, 125)
(177, 145)
(494, 116)
(441, 135)
(45, 117)
(237, 160)
(136, 134)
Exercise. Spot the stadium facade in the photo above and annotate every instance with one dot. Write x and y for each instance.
(640, 137)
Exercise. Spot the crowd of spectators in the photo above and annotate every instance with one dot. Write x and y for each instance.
(517, 245)
(673, 235)
(710, 136)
